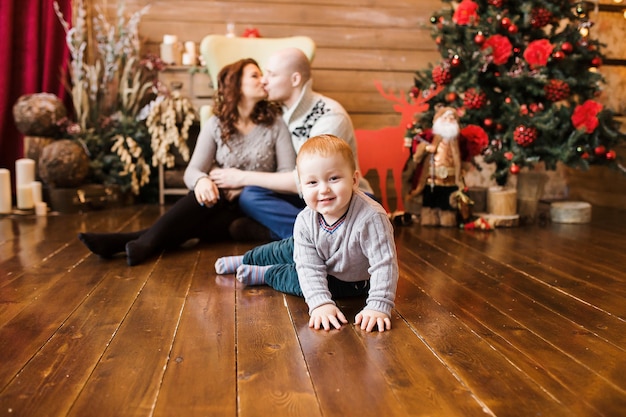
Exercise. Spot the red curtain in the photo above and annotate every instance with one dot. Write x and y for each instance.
(34, 59)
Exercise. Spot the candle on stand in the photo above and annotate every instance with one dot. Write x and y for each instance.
(25, 197)
(6, 201)
(171, 50)
(24, 171)
(37, 191)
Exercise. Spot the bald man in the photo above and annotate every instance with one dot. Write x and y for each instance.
(272, 199)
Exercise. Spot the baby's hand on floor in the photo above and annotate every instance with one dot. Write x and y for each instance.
(325, 316)
(368, 319)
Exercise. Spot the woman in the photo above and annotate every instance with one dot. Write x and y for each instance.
(243, 123)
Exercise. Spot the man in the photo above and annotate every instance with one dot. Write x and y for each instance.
(272, 198)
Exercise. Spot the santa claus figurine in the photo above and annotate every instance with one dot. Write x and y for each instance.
(440, 173)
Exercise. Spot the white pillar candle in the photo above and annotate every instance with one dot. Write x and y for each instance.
(25, 197)
(190, 47)
(189, 59)
(24, 171)
(37, 191)
(170, 39)
(41, 208)
(6, 201)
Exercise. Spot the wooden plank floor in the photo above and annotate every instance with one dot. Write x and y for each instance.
(527, 321)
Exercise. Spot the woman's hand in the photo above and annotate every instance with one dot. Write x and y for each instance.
(325, 316)
(206, 192)
(228, 177)
(368, 319)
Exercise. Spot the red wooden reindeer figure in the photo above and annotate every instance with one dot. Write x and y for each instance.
(384, 149)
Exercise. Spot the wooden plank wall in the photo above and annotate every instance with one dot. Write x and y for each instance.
(361, 41)
(358, 41)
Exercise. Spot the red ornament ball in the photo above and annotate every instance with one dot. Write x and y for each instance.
(523, 109)
(596, 61)
(505, 22)
(539, 17)
(512, 29)
(567, 47)
(508, 156)
(611, 155)
(558, 55)
(600, 150)
(479, 39)
(525, 135)
(488, 122)
(474, 99)
(450, 97)
(556, 90)
(514, 169)
(455, 61)
(441, 75)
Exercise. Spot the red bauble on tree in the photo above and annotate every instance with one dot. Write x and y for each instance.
(451, 96)
(479, 39)
(539, 17)
(600, 150)
(557, 90)
(474, 99)
(441, 75)
(567, 47)
(525, 135)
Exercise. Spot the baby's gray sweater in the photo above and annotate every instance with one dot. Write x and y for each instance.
(361, 248)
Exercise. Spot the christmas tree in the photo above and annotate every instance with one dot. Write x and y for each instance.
(524, 77)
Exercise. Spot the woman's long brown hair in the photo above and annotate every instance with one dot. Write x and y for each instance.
(229, 94)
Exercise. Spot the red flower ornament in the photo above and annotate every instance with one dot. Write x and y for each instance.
(586, 116)
(538, 52)
(465, 13)
(251, 33)
(475, 138)
(501, 48)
